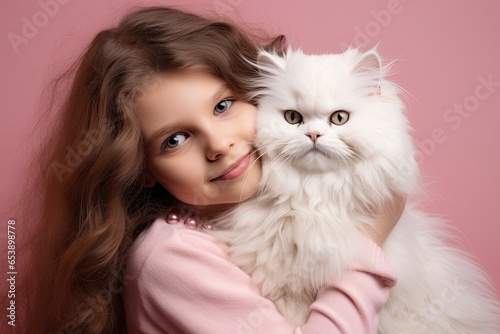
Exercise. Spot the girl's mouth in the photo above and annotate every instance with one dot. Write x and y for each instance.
(234, 170)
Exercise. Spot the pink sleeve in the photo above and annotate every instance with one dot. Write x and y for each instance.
(353, 303)
(183, 282)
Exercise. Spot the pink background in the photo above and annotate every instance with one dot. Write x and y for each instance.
(442, 50)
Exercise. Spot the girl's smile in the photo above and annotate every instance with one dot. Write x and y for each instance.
(199, 139)
(234, 170)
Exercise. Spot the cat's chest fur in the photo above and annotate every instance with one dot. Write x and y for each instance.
(295, 227)
(332, 194)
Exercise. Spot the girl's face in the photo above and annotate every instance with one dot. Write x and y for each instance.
(199, 140)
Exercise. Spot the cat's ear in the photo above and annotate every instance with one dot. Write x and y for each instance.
(370, 66)
(270, 61)
(369, 63)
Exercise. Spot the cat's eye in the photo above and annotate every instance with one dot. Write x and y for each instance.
(292, 116)
(339, 117)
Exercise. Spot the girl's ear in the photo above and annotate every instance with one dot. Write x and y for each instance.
(149, 182)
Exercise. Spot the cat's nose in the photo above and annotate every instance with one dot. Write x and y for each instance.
(314, 135)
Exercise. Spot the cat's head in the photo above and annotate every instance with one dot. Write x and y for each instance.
(333, 112)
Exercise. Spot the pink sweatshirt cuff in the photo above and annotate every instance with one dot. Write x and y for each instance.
(377, 264)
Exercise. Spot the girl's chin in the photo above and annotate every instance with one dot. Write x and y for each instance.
(210, 211)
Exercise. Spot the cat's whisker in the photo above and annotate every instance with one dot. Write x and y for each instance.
(276, 163)
(259, 156)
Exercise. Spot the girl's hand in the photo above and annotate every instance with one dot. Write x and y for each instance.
(385, 221)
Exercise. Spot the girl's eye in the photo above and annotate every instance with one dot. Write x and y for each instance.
(223, 106)
(339, 117)
(292, 116)
(174, 141)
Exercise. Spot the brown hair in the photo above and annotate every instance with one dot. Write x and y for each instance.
(91, 170)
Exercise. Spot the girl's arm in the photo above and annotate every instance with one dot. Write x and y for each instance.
(386, 219)
(181, 281)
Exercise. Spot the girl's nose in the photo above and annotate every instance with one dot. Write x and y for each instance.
(218, 145)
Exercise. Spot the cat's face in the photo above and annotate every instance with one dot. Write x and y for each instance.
(329, 112)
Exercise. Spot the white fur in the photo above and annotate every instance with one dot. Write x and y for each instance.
(302, 229)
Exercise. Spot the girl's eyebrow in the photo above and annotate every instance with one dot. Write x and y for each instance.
(219, 93)
(159, 133)
(216, 97)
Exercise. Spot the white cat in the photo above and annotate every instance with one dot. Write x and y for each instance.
(335, 146)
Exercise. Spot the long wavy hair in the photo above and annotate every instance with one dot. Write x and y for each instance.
(90, 178)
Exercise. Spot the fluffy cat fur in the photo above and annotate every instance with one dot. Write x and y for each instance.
(322, 181)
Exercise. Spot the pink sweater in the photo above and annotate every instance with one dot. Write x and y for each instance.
(180, 280)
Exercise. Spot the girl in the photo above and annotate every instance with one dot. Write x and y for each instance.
(155, 138)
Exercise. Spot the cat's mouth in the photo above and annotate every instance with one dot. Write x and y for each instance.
(315, 149)
(318, 154)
